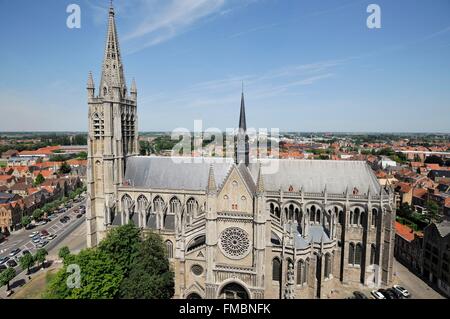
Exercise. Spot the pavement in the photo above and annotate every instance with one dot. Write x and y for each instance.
(418, 288)
(21, 239)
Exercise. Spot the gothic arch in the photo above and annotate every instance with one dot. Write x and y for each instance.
(236, 285)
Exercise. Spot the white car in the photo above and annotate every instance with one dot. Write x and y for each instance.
(33, 234)
(377, 295)
(405, 293)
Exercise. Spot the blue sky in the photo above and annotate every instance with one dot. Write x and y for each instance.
(307, 65)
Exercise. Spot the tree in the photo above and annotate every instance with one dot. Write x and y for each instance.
(37, 214)
(65, 168)
(150, 276)
(64, 252)
(6, 276)
(101, 277)
(39, 179)
(432, 210)
(26, 262)
(82, 155)
(40, 256)
(26, 220)
(122, 244)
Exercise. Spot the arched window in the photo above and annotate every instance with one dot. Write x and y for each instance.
(361, 219)
(311, 212)
(272, 208)
(175, 205)
(358, 254)
(351, 254)
(142, 204)
(327, 265)
(341, 218)
(291, 212)
(276, 269)
(300, 271)
(126, 204)
(169, 249)
(373, 252)
(374, 217)
(318, 216)
(306, 272)
(192, 208)
(158, 204)
(356, 216)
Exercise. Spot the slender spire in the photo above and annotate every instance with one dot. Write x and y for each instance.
(260, 181)
(242, 145)
(133, 88)
(212, 188)
(112, 69)
(90, 81)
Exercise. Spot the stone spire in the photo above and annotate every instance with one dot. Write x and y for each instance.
(242, 145)
(211, 181)
(90, 81)
(112, 68)
(133, 90)
(260, 181)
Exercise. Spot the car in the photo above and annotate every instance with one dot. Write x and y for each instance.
(42, 222)
(359, 295)
(36, 240)
(63, 220)
(14, 252)
(394, 293)
(11, 263)
(3, 260)
(377, 295)
(29, 226)
(42, 244)
(386, 294)
(44, 232)
(33, 234)
(2, 267)
(405, 293)
(25, 252)
(51, 237)
(79, 215)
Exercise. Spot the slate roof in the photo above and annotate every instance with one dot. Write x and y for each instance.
(311, 175)
(444, 227)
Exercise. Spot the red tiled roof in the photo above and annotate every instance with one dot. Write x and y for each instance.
(404, 231)
(419, 192)
(5, 177)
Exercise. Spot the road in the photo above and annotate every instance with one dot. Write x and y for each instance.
(22, 240)
(416, 286)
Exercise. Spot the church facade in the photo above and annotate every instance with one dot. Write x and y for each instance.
(230, 229)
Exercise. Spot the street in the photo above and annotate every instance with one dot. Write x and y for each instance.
(416, 286)
(22, 240)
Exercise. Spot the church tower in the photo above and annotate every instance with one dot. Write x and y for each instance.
(242, 148)
(112, 138)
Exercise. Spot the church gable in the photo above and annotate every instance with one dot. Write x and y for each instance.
(235, 194)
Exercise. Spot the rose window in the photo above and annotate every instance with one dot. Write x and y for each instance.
(234, 242)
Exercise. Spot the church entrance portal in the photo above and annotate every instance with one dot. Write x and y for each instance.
(233, 291)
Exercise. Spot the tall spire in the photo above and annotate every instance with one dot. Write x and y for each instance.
(112, 69)
(242, 145)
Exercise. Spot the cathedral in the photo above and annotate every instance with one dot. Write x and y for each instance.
(231, 230)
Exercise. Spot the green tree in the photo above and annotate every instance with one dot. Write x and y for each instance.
(26, 220)
(40, 256)
(65, 168)
(39, 179)
(64, 252)
(150, 276)
(26, 262)
(122, 244)
(37, 214)
(6, 276)
(432, 210)
(82, 155)
(100, 278)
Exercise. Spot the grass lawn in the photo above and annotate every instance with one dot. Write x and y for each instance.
(36, 287)
(3, 163)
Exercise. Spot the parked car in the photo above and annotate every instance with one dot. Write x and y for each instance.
(2, 267)
(3, 260)
(79, 215)
(359, 295)
(29, 226)
(25, 252)
(14, 252)
(405, 293)
(36, 240)
(11, 263)
(63, 220)
(394, 293)
(386, 294)
(44, 232)
(42, 244)
(51, 237)
(377, 295)
(33, 234)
